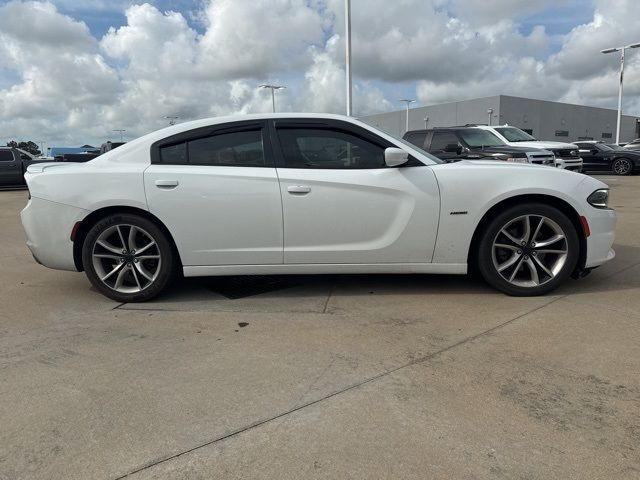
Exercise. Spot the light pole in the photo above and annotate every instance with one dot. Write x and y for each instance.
(490, 112)
(408, 101)
(426, 122)
(273, 96)
(121, 130)
(621, 50)
(172, 119)
(347, 54)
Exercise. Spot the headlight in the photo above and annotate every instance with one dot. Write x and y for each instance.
(599, 198)
(518, 159)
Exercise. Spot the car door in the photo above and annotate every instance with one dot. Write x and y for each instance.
(10, 168)
(217, 191)
(343, 205)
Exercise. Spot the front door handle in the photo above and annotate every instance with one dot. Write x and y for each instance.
(166, 184)
(298, 189)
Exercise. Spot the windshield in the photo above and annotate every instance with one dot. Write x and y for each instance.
(411, 145)
(513, 134)
(476, 138)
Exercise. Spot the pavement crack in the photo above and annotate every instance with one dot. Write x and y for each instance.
(326, 303)
(354, 386)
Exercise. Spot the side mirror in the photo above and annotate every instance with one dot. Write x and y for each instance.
(594, 151)
(453, 148)
(394, 157)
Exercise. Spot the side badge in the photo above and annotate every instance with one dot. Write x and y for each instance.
(459, 213)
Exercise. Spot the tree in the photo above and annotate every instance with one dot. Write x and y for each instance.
(29, 146)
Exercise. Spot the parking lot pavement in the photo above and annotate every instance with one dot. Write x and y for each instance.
(321, 377)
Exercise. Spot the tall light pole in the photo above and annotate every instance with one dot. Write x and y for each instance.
(121, 130)
(490, 112)
(408, 101)
(172, 119)
(273, 96)
(347, 54)
(426, 122)
(621, 50)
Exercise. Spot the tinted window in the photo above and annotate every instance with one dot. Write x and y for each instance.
(6, 156)
(319, 148)
(417, 138)
(236, 149)
(174, 154)
(442, 139)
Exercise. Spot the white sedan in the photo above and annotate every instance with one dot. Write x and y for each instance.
(308, 194)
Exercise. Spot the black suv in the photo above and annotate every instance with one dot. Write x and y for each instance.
(452, 144)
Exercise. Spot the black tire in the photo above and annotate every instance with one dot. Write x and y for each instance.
(622, 166)
(491, 256)
(160, 246)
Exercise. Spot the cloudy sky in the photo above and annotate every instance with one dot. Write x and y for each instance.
(72, 71)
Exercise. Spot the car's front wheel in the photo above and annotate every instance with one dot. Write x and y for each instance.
(622, 166)
(529, 249)
(128, 258)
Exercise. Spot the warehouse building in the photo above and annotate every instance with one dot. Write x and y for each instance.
(544, 120)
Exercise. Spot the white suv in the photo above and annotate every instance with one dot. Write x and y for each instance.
(567, 155)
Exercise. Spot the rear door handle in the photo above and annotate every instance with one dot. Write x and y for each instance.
(167, 184)
(298, 189)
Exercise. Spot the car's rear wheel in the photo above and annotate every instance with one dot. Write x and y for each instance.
(529, 249)
(128, 258)
(622, 166)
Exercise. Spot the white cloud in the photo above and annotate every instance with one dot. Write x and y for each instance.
(75, 88)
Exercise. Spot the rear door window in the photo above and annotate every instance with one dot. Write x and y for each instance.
(235, 149)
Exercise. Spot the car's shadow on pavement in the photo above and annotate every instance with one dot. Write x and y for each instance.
(292, 286)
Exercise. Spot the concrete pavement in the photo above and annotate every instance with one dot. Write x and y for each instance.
(332, 377)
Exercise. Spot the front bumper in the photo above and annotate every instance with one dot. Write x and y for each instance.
(602, 223)
(573, 164)
(48, 228)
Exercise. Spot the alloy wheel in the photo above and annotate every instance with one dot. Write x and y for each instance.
(622, 166)
(529, 250)
(126, 258)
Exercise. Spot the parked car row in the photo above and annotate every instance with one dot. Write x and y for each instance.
(472, 142)
(14, 162)
(475, 142)
(89, 154)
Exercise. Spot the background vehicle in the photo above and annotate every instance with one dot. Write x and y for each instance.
(89, 154)
(13, 165)
(452, 144)
(567, 156)
(635, 145)
(307, 194)
(598, 156)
